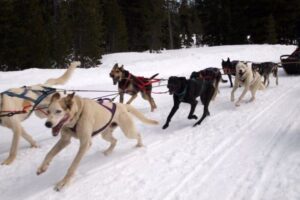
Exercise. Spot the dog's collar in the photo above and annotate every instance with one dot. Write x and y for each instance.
(127, 81)
(181, 95)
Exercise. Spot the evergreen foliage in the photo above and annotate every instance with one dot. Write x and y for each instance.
(51, 33)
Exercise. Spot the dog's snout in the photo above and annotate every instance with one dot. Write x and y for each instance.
(48, 124)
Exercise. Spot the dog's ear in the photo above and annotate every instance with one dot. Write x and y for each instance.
(55, 97)
(69, 100)
(228, 59)
(122, 67)
(116, 65)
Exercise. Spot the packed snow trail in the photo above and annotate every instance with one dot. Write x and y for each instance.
(247, 152)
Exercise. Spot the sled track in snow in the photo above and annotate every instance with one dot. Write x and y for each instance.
(223, 150)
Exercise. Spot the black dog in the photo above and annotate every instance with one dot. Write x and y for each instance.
(229, 68)
(187, 91)
(265, 69)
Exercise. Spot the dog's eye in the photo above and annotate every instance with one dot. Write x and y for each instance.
(58, 111)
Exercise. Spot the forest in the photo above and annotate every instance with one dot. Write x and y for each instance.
(51, 33)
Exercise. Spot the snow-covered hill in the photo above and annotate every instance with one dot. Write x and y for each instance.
(248, 152)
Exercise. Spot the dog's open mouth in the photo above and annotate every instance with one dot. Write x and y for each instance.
(57, 128)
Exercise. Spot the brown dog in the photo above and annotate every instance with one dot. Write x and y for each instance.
(132, 85)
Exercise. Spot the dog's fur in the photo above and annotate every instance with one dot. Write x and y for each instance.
(250, 79)
(210, 74)
(265, 69)
(87, 116)
(14, 103)
(187, 91)
(229, 68)
(131, 84)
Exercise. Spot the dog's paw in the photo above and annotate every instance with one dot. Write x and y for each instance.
(196, 124)
(165, 126)
(8, 161)
(34, 145)
(41, 170)
(59, 186)
(237, 104)
(192, 117)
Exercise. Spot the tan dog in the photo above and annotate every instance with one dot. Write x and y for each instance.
(251, 80)
(18, 99)
(83, 118)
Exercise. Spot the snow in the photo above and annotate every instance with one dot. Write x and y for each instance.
(247, 152)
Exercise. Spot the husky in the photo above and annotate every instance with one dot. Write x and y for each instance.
(265, 69)
(251, 80)
(84, 118)
(31, 99)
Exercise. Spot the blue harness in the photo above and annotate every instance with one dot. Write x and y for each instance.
(42, 95)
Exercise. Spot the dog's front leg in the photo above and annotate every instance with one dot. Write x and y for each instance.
(131, 99)
(173, 111)
(84, 145)
(238, 103)
(235, 87)
(193, 106)
(121, 96)
(61, 144)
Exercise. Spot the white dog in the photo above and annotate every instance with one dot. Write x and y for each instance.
(27, 99)
(83, 118)
(251, 80)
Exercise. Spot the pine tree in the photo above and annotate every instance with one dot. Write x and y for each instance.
(153, 16)
(185, 23)
(58, 24)
(116, 38)
(87, 30)
(271, 36)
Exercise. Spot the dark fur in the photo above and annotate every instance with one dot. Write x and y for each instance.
(265, 69)
(187, 91)
(132, 85)
(229, 68)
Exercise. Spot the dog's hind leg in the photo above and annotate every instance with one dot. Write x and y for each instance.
(193, 106)
(206, 100)
(29, 139)
(16, 127)
(127, 126)
(107, 135)
(150, 100)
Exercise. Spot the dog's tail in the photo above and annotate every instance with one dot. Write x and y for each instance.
(152, 77)
(65, 77)
(140, 116)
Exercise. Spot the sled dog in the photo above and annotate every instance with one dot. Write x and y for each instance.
(249, 79)
(30, 99)
(84, 118)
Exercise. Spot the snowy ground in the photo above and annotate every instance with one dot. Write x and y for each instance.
(249, 152)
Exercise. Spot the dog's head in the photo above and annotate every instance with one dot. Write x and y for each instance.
(194, 75)
(59, 112)
(241, 69)
(227, 63)
(175, 84)
(116, 73)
